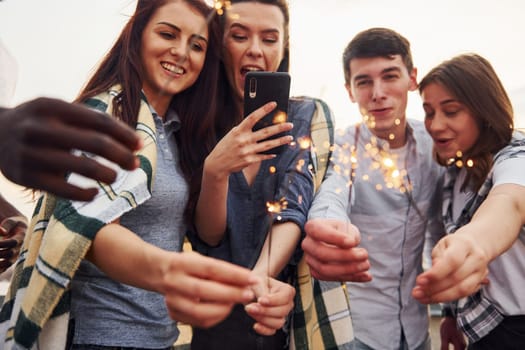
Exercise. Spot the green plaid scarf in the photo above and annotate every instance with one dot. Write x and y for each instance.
(35, 312)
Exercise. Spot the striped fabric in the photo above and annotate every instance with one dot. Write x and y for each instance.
(321, 315)
(35, 312)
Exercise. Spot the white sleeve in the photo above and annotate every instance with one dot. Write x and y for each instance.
(510, 171)
(331, 200)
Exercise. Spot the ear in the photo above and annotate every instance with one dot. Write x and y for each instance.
(349, 90)
(413, 80)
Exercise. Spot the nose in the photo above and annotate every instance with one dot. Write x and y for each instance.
(436, 123)
(378, 91)
(254, 50)
(180, 52)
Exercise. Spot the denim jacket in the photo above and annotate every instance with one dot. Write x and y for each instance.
(247, 219)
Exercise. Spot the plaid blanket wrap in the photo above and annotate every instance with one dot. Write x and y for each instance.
(321, 315)
(35, 312)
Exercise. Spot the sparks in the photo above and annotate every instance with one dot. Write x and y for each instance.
(276, 207)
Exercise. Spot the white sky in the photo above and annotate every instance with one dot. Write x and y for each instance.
(437, 30)
(57, 42)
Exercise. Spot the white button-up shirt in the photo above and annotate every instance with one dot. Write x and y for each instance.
(392, 223)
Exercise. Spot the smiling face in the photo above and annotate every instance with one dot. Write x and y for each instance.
(253, 41)
(173, 52)
(449, 123)
(380, 86)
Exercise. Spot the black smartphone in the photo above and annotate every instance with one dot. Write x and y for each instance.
(261, 88)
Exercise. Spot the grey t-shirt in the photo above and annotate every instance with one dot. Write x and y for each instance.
(109, 313)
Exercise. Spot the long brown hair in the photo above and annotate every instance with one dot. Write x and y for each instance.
(472, 81)
(230, 115)
(196, 106)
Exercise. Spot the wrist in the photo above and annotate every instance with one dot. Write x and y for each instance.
(259, 270)
(162, 262)
(213, 173)
(483, 249)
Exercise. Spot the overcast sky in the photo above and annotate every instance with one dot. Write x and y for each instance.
(437, 30)
(56, 43)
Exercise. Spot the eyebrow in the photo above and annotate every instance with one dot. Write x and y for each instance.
(442, 103)
(177, 29)
(243, 27)
(451, 100)
(384, 71)
(173, 26)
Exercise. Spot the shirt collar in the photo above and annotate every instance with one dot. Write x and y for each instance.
(367, 133)
(171, 122)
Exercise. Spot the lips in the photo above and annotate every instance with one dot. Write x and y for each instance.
(380, 112)
(442, 142)
(444, 146)
(243, 71)
(437, 138)
(173, 68)
(246, 69)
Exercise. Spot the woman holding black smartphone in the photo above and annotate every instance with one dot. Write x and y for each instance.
(110, 270)
(240, 181)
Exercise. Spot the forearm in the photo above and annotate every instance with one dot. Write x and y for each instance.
(125, 257)
(498, 221)
(285, 237)
(297, 189)
(210, 214)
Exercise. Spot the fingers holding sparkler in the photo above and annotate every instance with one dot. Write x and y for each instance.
(332, 252)
(271, 310)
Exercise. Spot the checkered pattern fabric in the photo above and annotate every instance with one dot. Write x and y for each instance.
(35, 312)
(476, 316)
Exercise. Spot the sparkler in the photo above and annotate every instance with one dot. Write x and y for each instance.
(275, 208)
(394, 177)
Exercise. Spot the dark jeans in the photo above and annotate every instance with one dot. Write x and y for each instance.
(236, 333)
(69, 346)
(99, 347)
(508, 335)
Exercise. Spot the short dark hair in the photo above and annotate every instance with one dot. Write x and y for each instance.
(377, 42)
